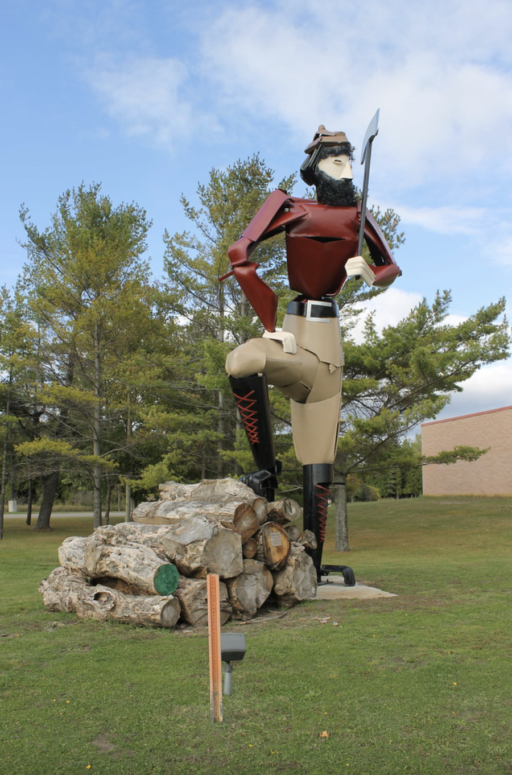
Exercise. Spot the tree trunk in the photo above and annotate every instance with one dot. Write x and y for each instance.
(64, 590)
(4, 465)
(128, 503)
(11, 474)
(107, 501)
(221, 431)
(49, 483)
(96, 478)
(96, 434)
(340, 500)
(29, 503)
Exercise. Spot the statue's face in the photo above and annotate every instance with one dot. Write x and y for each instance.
(337, 167)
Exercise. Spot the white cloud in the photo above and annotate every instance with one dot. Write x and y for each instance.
(440, 73)
(389, 308)
(147, 96)
(444, 220)
(500, 252)
(488, 388)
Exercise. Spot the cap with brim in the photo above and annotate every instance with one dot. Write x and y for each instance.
(324, 137)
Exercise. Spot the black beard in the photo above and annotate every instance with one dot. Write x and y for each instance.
(337, 193)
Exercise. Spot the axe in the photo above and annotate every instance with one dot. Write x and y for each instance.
(371, 134)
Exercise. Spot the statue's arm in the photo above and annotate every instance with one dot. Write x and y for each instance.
(385, 269)
(277, 210)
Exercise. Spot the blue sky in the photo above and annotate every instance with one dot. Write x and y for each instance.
(147, 97)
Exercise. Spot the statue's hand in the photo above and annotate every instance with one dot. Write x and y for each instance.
(357, 267)
(286, 338)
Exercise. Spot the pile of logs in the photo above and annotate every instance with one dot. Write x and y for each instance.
(152, 571)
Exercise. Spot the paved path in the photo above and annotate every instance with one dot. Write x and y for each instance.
(57, 514)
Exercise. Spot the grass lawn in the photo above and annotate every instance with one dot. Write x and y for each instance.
(419, 683)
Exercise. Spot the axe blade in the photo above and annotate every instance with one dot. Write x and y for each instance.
(371, 133)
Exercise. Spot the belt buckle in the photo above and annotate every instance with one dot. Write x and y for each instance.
(309, 305)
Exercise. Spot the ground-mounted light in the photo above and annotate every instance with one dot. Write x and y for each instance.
(232, 649)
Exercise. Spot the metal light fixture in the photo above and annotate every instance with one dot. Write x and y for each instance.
(232, 649)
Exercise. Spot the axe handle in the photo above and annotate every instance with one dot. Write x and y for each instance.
(364, 197)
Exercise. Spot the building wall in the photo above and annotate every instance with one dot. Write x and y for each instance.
(491, 474)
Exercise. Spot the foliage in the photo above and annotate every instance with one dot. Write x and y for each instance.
(87, 294)
(403, 376)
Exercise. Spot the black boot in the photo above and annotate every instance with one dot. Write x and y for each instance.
(317, 479)
(251, 396)
(317, 483)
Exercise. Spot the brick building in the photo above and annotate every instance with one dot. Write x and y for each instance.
(489, 475)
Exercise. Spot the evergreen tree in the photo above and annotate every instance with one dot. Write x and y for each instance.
(395, 380)
(89, 297)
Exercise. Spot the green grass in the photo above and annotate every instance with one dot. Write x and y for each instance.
(419, 683)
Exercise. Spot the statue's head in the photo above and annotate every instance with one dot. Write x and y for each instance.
(328, 167)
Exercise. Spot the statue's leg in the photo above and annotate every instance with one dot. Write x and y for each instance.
(251, 396)
(249, 367)
(317, 478)
(315, 433)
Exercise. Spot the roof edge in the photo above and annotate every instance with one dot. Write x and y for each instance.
(464, 416)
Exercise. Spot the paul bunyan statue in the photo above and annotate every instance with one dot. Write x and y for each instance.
(304, 360)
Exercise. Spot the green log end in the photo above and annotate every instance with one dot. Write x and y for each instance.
(166, 579)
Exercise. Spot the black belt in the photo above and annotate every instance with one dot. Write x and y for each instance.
(313, 309)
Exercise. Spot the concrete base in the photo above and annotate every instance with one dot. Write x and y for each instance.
(336, 590)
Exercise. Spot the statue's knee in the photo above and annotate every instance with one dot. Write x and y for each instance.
(245, 360)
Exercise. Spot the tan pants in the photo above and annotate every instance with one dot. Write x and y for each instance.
(311, 378)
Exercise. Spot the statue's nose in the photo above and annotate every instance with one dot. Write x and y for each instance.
(346, 171)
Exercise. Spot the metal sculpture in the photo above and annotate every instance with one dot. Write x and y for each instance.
(304, 360)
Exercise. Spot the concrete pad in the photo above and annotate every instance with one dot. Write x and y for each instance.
(336, 590)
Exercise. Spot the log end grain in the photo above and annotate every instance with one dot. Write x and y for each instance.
(166, 579)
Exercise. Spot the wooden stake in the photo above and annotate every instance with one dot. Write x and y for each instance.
(212, 581)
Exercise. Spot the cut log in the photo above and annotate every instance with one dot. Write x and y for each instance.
(249, 590)
(64, 590)
(135, 533)
(223, 491)
(137, 565)
(72, 554)
(293, 532)
(260, 507)
(208, 490)
(142, 509)
(192, 594)
(297, 581)
(119, 584)
(273, 546)
(172, 512)
(250, 548)
(172, 491)
(246, 522)
(283, 511)
(197, 545)
(307, 539)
